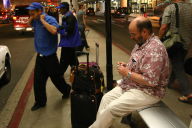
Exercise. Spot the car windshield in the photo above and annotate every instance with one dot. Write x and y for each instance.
(19, 11)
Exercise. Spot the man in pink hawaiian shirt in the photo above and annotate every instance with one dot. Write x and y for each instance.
(145, 76)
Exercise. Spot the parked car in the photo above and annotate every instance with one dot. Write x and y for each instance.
(5, 65)
(5, 17)
(21, 18)
(90, 12)
(121, 12)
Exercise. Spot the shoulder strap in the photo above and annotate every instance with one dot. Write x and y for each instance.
(177, 15)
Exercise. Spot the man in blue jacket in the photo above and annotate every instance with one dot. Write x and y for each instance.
(47, 64)
(70, 37)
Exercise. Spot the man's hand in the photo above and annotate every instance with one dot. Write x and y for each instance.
(31, 18)
(123, 70)
(42, 17)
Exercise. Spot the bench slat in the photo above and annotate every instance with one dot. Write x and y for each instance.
(160, 116)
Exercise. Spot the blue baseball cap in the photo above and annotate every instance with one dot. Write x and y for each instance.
(63, 5)
(34, 6)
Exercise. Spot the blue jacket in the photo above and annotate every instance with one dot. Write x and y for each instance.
(70, 36)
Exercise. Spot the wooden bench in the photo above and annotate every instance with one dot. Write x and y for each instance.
(160, 115)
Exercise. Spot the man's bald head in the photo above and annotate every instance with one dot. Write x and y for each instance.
(141, 23)
(140, 29)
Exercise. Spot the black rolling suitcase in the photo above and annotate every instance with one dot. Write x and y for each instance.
(86, 96)
(83, 109)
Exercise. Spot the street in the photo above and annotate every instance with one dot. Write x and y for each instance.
(22, 50)
(120, 34)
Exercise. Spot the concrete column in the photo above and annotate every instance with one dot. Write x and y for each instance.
(102, 6)
(123, 3)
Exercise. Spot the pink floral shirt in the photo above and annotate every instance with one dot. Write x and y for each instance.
(151, 61)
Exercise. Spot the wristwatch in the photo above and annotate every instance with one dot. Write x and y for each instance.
(129, 75)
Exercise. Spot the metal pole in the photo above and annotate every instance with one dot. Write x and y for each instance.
(109, 65)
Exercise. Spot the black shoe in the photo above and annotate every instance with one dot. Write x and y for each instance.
(67, 93)
(37, 106)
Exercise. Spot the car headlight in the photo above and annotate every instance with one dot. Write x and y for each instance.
(29, 29)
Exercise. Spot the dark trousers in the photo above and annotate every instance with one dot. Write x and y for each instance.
(47, 67)
(177, 56)
(83, 37)
(68, 57)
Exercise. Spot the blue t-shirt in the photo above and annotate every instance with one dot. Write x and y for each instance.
(45, 42)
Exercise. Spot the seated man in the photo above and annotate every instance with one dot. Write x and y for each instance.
(145, 76)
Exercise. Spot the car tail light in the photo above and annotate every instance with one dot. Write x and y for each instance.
(14, 18)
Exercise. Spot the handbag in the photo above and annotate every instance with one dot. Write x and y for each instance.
(173, 37)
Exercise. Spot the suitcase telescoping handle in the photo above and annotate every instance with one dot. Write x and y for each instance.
(87, 54)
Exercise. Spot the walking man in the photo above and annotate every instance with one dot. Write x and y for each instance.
(82, 26)
(178, 51)
(70, 37)
(47, 64)
(145, 76)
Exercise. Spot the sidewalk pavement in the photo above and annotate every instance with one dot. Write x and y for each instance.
(56, 114)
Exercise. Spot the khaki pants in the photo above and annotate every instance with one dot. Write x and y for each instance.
(190, 126)
(119, 103)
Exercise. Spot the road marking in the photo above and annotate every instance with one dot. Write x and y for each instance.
(103, 21)
(19, 110)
